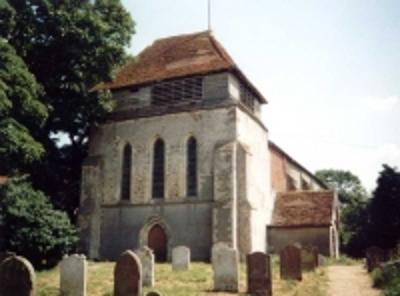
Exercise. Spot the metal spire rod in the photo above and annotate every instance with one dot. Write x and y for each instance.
(209, 15)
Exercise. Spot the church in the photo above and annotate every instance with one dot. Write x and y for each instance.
(184, 159)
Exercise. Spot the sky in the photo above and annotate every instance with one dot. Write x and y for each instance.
(330, 71)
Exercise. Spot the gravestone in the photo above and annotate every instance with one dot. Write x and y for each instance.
(73, 275)
(181, 258)
(375, 256)
(17, 277)
(128, 275)
(309, 258)
(225, 264)
(259, 277)
(321, 260)
(146, 257)
(5, 255)
(290, 263)
(153, 293)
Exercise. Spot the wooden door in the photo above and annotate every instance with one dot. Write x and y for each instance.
(158, 243)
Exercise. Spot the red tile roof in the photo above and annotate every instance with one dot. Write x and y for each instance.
(174, 57)
(304, 208)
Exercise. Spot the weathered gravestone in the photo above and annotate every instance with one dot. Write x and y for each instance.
(225, 264)
(128, 275)
(146, 257)
(259, 277)
(153, 293)
(73, 275)
(309, 258)
(290, 263)
(17, 277)
(5, 255)
(180, 258)
(375, 256)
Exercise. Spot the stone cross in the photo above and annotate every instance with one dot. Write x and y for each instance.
(375, 256)
(259, 277)
(17, 277)
(146, 257)
(128, 275)
(290, 263)
(309, 258)
(225, 264)
(180, 258)
(73, 275)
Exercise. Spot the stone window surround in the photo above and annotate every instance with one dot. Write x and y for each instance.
(165, 199)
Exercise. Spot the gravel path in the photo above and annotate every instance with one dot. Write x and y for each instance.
(350, 281)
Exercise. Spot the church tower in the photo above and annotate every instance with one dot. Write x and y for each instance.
(182, 160)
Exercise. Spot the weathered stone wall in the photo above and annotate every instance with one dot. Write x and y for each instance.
(187, 224)
(280, 237)
(256, 206)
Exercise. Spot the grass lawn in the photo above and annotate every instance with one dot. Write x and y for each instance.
(197, 281)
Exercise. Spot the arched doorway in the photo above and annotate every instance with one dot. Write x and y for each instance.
(157, 241)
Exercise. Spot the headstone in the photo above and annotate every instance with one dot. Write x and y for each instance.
(259, 277)
(375, 256)
(128, 275)
(5, 255)
(309, 258)
(321, 260)
(73, 275)
(17, 277)
(290, 263)
(225, 264)
(146, 257)
(180, 258)
(153, 293)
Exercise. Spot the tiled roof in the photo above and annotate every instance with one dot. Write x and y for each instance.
(304, 208)
(174, 57)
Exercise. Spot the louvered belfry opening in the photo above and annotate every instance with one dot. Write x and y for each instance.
(126, 173)
(158, 169)
(179, 91)
(191, 172)
(247, 97)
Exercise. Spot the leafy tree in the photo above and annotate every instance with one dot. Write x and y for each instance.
(69, 46)
(385, 209)
(30, 225)
(21, 113)
(354, 209)
(348, 185)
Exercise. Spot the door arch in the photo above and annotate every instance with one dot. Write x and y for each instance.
(158, 241)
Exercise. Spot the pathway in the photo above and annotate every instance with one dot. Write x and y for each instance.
(350, 280)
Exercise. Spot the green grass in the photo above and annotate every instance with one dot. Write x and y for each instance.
(197, 281)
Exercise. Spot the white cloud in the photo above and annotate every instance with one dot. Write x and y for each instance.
(383, 103)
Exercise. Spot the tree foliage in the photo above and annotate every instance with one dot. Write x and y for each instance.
(354, 214)
(69, 46)
(30, 225)
(348, 185)
(385, 209)
(21, 112)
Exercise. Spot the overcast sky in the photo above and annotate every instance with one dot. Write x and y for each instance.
(329, 69)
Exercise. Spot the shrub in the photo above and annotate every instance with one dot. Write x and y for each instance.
(388, 278)
(31, 227)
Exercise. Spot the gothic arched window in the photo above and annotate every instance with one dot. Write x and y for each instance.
(191, 167)
(158, 168)
(126, 173)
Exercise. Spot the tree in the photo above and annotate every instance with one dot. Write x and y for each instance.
(348, 185)
(385, 209)
(21, 113)
(69, 46)
(31, 227)
(354, 209)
